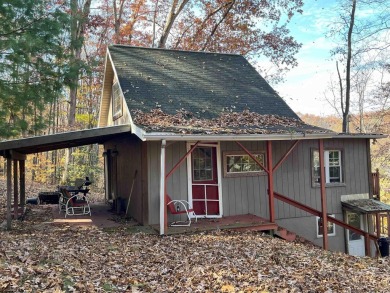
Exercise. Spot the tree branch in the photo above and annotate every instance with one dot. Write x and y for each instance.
(217, 24)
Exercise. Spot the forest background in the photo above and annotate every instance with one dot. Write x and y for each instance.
(52, 54)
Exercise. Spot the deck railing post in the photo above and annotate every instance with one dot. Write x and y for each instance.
(323, 195)
(378, 225)
(270, 182)
(367, 244)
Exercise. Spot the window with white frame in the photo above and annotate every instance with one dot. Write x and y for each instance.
(241, 164)
(116, 101)
(320, 227)
(332, 165)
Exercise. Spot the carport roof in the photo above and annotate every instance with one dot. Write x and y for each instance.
(62, 140)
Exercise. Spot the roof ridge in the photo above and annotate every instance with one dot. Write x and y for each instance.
(173, 50)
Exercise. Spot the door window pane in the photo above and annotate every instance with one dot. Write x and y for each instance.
(202, 164)
(354, 221)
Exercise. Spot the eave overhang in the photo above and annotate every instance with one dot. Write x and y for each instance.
(362, 135)
(366, 206)
(158, 136)
(56, 141)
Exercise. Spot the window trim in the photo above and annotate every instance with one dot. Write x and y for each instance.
(326, 163)
(242, 174)
(116, 99)
(333, 225)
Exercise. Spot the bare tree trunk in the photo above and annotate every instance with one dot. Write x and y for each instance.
(154, 23)
(341, 88)
(117, 19)
(348, 69)
(78, 26)
(175, 10)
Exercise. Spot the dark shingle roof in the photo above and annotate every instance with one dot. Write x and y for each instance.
(205, 84)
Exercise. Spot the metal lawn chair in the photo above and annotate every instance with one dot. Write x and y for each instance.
(180, 207)
(73, 204)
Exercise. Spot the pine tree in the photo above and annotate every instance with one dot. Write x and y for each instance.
(32, 63)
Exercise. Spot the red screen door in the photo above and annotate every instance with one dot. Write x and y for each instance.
(205, 197)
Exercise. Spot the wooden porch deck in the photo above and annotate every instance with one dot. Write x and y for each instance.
(103, 218)
(247, 222)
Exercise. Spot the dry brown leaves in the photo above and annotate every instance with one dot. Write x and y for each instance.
(230, 122)
(38, 257)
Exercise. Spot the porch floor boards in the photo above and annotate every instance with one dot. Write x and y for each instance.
(247, 222)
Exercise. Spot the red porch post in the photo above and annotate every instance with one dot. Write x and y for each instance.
(270, 182)
(323, 195)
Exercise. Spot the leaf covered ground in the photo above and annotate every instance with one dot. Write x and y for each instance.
(37, 256)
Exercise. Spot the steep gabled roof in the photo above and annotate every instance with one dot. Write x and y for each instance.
(170, 92)
(206, 84)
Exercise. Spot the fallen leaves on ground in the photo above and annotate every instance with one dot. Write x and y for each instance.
(74, 259)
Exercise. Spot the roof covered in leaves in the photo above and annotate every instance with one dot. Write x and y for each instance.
(367, 205)
(182, 92)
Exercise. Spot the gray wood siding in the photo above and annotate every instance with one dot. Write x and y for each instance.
(129, 160)
(177, 183)
(177, 186)
(153, 164)
(293, 178)
(244, 195)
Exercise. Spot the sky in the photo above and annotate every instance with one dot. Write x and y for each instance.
(305, 85)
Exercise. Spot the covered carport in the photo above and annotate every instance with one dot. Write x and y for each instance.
(15, 152)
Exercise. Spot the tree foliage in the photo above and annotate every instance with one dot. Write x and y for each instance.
(31, 67)
(53, 56)
(255, 28)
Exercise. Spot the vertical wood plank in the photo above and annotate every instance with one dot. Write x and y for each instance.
(16, 188)
(22, 183)
(9, 192)
(144, 184)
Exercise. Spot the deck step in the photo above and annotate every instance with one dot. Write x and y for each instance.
(261, 227)
(285, 234)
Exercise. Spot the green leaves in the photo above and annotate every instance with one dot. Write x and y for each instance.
(32, 63)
